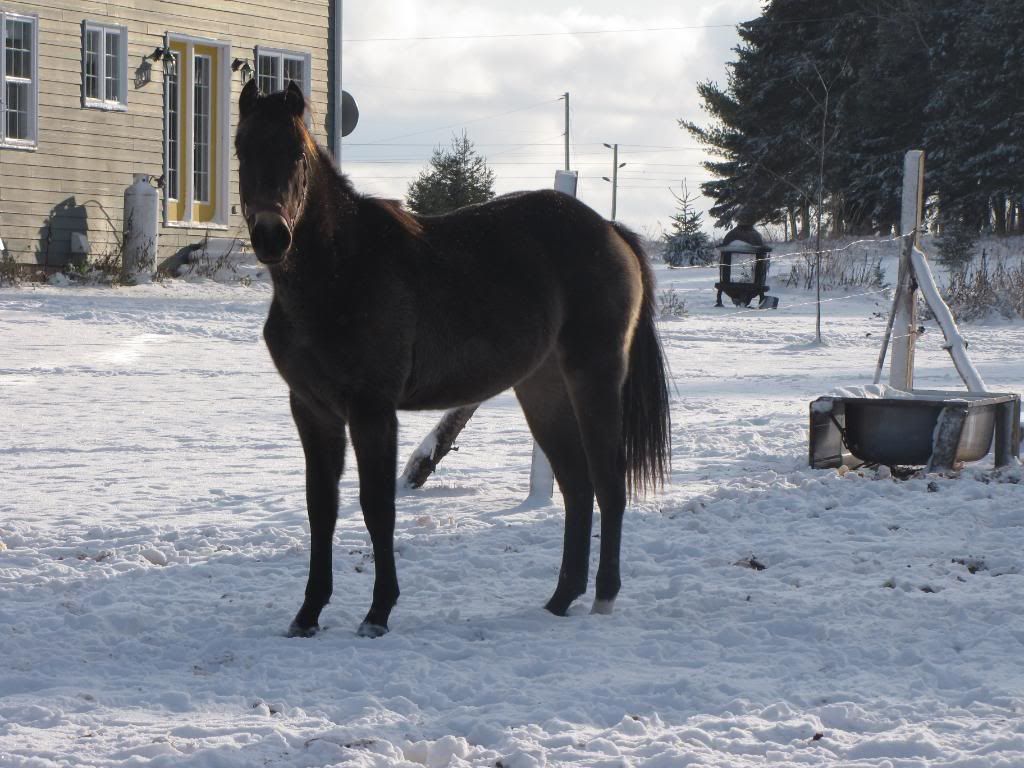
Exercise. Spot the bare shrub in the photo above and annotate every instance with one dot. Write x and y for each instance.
(103, 269)
(671, 305)
(222, 266)
(839, 270)
(986, 287)
(10, 272)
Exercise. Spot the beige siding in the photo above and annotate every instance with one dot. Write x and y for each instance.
(86, 157)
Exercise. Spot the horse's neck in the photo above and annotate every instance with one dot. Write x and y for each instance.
(331, 204)
(321, 235)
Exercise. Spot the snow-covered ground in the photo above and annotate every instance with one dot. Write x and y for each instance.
(153, 548)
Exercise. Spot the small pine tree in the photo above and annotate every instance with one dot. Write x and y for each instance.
(687, 242)
(457, 177)
(955, 244)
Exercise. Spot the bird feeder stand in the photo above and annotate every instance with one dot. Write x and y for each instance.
(746, 243)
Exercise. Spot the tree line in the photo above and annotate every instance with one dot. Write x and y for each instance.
(831, 95)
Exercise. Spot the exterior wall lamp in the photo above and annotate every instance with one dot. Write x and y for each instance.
(166, 58)
(245, 67)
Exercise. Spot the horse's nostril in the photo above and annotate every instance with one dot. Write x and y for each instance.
(270, 237)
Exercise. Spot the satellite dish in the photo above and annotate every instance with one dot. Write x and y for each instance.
(349, 113)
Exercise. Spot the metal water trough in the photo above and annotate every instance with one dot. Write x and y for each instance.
(932, 428)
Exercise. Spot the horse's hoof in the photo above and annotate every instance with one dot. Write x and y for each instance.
(603, 607)
(556, 609)
(366, 629)
(559, 605)
(298, 630)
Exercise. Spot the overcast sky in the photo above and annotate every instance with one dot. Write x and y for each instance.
(421, 72)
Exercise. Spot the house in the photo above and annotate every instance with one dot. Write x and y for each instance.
(93, 93)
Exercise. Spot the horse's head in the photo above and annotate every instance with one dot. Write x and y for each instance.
(275, 159)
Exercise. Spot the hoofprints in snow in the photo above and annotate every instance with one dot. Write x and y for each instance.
(154, 537)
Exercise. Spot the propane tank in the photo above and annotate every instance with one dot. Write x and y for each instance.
(141, 233)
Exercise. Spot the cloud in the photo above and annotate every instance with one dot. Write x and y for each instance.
(628, 87)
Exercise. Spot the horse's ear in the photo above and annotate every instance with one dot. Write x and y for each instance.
(246, 102)
(295, 100)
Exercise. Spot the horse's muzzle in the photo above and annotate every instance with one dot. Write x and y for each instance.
(270, 236)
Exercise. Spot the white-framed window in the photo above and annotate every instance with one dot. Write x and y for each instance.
(104, 66)
(276, 68)
(197, 109)
(19, 80)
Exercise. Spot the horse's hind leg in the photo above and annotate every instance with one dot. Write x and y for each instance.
(596, 395)
(550, 415)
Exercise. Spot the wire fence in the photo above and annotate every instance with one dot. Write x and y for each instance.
(804, 253)
(885, 337)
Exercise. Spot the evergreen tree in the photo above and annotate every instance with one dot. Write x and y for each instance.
(456, 177)
(687, 243)
(883, 117)
(880, 77)
(792, 70)
(975, 132)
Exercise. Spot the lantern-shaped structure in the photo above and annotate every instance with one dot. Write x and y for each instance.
(741, 255)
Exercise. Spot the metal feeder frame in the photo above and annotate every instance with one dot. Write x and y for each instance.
(937, 429)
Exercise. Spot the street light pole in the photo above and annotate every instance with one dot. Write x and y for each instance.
(615, 175)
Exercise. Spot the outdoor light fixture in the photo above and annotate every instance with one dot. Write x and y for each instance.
(244, 66)
(166, 58)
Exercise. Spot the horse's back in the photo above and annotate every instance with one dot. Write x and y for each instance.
(501, 284)
(544, 239)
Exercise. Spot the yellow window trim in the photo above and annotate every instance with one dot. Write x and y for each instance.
(211, 212)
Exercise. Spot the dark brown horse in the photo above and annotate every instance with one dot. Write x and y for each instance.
(376, 310)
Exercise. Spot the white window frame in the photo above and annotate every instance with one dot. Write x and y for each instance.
(32, 142)
(222, 73)
(281, 55)
(119, 104)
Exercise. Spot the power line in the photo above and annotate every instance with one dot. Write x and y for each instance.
(581, 32)
(581, 164)
(642, 147)
(458, 125)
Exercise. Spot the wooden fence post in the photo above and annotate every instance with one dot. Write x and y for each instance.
(901, 370)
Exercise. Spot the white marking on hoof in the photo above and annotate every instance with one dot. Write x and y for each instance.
(603, 607)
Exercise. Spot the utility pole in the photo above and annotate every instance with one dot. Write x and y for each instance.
(566, 97)
(615, 175)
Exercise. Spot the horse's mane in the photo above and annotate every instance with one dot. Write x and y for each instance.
(393, 210)
(309, 143)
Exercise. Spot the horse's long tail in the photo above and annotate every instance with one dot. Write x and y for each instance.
(646, 422)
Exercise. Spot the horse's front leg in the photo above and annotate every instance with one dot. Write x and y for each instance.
(323, 442)
(373, 427)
